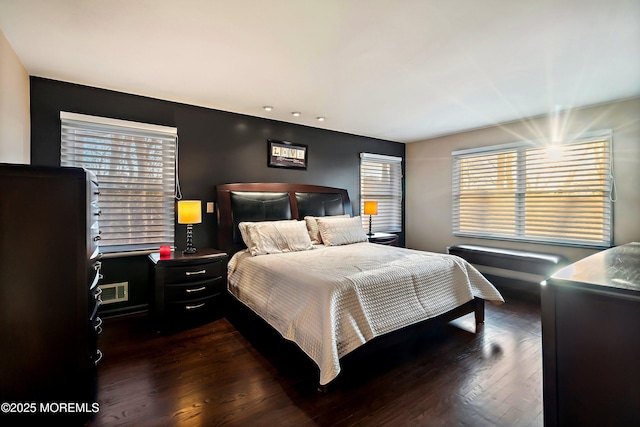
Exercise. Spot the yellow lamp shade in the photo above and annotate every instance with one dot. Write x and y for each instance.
(371, 208)
(189, 212)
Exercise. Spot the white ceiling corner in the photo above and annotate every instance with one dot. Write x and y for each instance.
(403, 70)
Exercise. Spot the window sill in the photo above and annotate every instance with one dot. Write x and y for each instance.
(534, 241)
(124, 254)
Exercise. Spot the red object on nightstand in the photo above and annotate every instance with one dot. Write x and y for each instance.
(165, 251)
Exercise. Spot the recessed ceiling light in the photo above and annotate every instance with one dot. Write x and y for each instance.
(267, 108)
(320, 119)
(296, 114)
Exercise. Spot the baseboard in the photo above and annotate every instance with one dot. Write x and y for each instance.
(124, 311)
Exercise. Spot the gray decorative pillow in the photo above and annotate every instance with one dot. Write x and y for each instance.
(312, 226)
(271, 237)
(341, 231)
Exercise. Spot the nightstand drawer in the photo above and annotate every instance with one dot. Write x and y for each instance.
(384, 239)
(193, 290)
(186, 310)
(188, 288)
(194, 272)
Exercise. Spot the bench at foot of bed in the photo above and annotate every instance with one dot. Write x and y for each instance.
(510, 269)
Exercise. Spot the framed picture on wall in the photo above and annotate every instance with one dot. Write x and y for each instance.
(283, 154)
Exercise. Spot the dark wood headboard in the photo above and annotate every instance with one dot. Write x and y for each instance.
(272, 201)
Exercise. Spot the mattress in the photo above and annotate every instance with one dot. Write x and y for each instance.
(331, 300)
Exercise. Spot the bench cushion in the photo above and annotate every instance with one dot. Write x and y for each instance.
(510, 259)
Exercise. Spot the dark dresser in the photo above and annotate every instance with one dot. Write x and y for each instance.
(591, 341)
(49, 293)
(188, 288)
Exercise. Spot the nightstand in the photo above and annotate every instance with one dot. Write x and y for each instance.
(388, 239)
(188, 288)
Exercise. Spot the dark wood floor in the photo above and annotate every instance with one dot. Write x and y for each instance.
(236, 372)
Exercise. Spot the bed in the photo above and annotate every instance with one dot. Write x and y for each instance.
(302, 263)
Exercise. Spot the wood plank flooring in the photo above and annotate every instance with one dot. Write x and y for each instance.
(237, 372)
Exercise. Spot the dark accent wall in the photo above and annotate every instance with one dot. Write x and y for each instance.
(215, 147)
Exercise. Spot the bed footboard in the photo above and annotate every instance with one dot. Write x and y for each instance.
(475, 306)
(479, 311)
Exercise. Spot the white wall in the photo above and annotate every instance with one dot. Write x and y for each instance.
(15, 131)
(428, 176)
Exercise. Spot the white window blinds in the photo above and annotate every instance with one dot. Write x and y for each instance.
(135, 166)
(559, 194)
(381, 181)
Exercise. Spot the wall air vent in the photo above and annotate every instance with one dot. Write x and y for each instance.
(115, 292)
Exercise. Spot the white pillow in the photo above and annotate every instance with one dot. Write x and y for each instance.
(341, 231)
(271, 237)
(244, 231)
(312, 226)
(245, 225)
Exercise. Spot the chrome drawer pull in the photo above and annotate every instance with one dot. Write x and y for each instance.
(94, 284)
(202, 288)
(193, 307)
(95, 239)
(99, 354)
(191, 273)
(98, 324)
(96, 295)
(97, 266)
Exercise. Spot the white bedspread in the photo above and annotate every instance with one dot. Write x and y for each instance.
(331, 300)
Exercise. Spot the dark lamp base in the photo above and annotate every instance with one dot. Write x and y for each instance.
(190, 250)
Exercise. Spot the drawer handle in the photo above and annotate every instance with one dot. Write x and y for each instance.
(99, 358)
(98, 213)
(95, 239)
(97, 294)
(98, 325)
(191, 273)
(97, 266)
(202, 288)
(193, 307)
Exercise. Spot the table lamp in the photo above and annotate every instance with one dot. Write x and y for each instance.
(370, 208)
(189, 212)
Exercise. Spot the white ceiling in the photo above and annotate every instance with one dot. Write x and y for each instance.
(402, 70)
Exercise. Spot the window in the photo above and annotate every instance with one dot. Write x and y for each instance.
(135, 166)
(557, 194)
(381, 181)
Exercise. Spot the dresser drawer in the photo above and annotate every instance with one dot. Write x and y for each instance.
(194, 272)
(95, 301)
(193, 290)
(94, 329)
